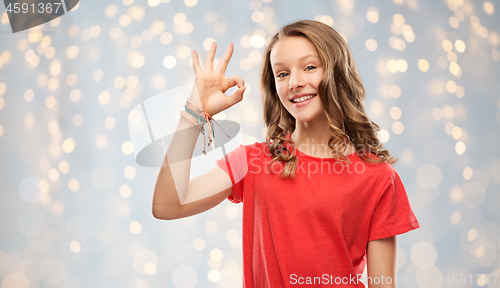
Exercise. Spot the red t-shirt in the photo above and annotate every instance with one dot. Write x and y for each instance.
(313, 229)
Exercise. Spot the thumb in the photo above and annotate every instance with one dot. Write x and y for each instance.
(237, 96)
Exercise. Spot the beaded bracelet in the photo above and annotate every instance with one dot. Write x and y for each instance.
(203, 117)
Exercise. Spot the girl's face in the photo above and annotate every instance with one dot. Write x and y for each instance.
(297, 71)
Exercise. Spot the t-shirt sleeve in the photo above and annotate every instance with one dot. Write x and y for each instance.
(393, 214)
(235, 164)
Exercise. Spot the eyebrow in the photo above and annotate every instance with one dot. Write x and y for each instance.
(301, 58)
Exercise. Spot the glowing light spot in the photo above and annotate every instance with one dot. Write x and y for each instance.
(5, 18)
(75, 246)
(346, 3)
(73, 185)
(216, 254)
(95, 30)
(115, 33)
(69, 145)
(179, 18)
(397, 127)
(429, 176)
(398, 19)
(35, 36)
(138, 61)
(246, 64)
(447, 45)
(456, 132)
(63, 167)
(402, 65)
(150, 268)
(110, 122)
(50, 52)
(257, 41)
(50, 102)
(101, 141)
(53, 175)
(71, 79)
(455, 218)
(395, 91)
(211, 226)
(125, 191)
(166, 38)
(135, 227)
(423, 255)
(258, 16)
(190, 3)
(437, 114)
(110, 10)
(104, 96)
(97, 75)
(392, 66)
(169, 62)
(326, 20)
(29, 121)
(125, 20)
(154, 3)
(488, 7)
(157, 27)
(72, 52)
(199, 244)
(371, 45)
(460, 147)
(460, 46)
(214, 276)
(127, 148)
(77, 120)
(454, 22)
(467, 173)
(383, 135)
(460, 91)
(183, 52)
(395, 113)
(423, 65)
(454, 68)
(129, 172)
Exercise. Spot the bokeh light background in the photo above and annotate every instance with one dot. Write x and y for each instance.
(76, 209)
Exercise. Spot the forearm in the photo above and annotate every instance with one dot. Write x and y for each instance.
(173, 178)
(382, 259)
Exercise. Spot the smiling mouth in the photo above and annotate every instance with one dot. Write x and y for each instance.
(303, 98)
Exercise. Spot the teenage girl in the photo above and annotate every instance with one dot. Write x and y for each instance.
(320, 197)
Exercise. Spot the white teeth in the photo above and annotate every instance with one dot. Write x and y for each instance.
(303, 98)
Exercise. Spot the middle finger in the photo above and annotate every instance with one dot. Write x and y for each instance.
(209, 63)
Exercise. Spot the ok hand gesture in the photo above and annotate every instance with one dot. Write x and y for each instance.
(211, 84)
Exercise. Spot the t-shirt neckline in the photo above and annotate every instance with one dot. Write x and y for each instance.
(317, 158)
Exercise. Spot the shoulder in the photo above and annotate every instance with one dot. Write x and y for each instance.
(382, 170)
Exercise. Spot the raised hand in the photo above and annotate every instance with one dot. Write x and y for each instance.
(211, 84)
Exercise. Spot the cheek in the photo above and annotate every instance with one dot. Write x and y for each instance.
(281, 92)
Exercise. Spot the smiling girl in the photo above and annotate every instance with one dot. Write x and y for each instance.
(320, 197)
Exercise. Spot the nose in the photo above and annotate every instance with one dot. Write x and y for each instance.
(296, 81)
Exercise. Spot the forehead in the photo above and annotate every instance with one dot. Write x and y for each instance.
(292, 48)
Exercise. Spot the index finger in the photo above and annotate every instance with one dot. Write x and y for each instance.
(224, 61)
(196, 62)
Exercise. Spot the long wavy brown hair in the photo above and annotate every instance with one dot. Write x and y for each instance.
(341, 92)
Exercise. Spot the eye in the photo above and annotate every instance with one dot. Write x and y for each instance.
(312, 67)
(282, 74)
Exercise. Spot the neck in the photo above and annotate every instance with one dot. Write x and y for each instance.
(312, 137)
